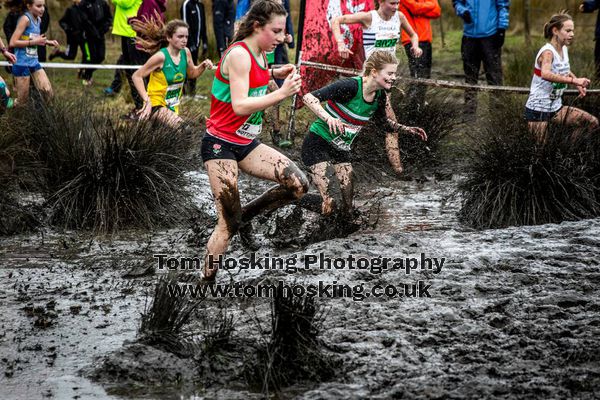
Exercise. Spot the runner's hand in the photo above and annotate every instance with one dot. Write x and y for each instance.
(283, 72)
(343, 50)
(291, 85)
(581, 82)
(10, 57)
(416, 51)
(336, 126)
(53, 43)
(207, 64)
(582, 91)
(38, 41)
(415, 130)
(145, 111)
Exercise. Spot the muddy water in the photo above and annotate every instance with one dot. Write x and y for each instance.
(513, 312)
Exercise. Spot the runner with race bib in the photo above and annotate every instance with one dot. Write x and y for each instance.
(551, 75)
(239, 98)
(349, 105)
(381, 29)
(168, 68)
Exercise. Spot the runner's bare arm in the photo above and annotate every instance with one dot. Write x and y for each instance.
(335, 125)
(545, 61)
(15, 40)
(194, 71)
(238, 72)
(362, 18)
(155, 62)
(414, 38)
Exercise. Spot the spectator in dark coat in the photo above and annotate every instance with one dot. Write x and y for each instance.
(72, 23)
(589, 6)
(223, 20)
(97, 22)
(192, 12)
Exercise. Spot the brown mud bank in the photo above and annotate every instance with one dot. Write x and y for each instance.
(512, 312)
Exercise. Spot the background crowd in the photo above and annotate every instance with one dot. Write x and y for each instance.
(88, 23)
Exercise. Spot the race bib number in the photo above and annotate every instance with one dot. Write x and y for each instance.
(557, 90)
(386, 41)
(252, 127)
(172, 95)
(31, 51)
(344, 142)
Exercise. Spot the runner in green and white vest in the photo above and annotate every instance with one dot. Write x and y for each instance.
(350, 105)
(381, 29)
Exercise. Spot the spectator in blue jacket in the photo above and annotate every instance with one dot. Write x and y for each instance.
(589, 6)
(485, 22)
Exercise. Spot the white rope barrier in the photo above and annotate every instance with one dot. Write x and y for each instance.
(77, 66)
(332, 68)
(435, 82)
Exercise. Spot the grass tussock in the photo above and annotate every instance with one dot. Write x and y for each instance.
(102, 173)
(514, 180)
(439, 116)
(293, 353)
(17, 162)
(162, 323)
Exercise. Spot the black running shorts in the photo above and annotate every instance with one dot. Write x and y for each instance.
(214, 148)
(315, 150)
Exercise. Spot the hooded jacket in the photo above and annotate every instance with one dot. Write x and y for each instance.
(487, 16)
(418, 14)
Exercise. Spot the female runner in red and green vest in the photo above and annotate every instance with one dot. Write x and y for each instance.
(239, 98)
(168, 68)
(351, 103)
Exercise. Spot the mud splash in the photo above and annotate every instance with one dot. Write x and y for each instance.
(514, 312)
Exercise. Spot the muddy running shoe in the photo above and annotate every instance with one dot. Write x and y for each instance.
(247, 237)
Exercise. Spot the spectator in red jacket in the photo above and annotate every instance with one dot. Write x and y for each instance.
(419, 14)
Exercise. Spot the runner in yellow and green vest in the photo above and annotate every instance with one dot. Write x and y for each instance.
(168, 69)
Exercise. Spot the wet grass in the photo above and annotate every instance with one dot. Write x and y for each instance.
(293, 353)
(514, 180)
(17, 163)
(104, 174)
(163, 321)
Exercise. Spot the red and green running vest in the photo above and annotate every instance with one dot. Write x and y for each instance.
(223, 122)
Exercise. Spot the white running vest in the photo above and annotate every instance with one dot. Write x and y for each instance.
(544, 95)
(381, 35)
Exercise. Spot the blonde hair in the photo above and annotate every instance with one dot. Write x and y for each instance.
(556, 21)
(377, 60)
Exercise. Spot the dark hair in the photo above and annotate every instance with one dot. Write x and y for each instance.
(18, 5)
(261, 11)
(557, 21)
(153, 33)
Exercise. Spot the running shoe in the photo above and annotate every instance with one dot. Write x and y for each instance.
(86, 82)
